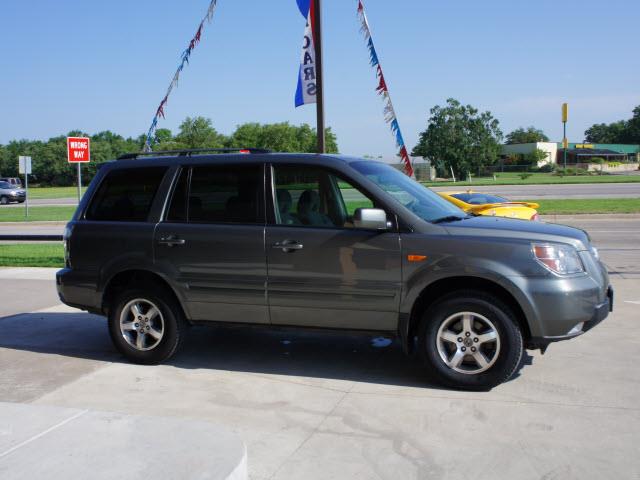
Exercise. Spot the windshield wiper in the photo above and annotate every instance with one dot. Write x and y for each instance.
(448, 218)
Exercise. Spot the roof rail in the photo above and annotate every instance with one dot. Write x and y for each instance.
(189, 152)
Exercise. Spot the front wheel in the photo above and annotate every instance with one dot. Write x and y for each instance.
(470, 340)
(145, 325)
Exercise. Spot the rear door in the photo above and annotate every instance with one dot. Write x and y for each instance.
(115, 232)
(211, 242)
(323, 272)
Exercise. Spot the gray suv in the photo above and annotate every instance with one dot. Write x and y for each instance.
(322, 241)
(11, 193)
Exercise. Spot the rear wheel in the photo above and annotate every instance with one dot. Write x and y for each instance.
(146, 325)
(470, 340)
(4, 200)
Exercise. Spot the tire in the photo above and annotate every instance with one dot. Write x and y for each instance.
(4, 200)
(163, 331)
(470, 358)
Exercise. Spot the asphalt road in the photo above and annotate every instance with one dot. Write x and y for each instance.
(316, 405)
(592, 190)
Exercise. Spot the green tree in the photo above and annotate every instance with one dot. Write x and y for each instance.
(526, 135)
(534, 157)
(622, 131)
(460, 137)
(197, 132)
(603, 133)
(633, 127)
(280, 137)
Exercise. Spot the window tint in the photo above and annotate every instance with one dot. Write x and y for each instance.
(314, 197)
(126, 195)
(478, 198)
(178, 209)
(226, 194)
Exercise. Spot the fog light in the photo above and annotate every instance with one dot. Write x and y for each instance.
(576, 329)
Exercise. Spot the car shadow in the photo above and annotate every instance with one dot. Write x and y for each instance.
(304, 353)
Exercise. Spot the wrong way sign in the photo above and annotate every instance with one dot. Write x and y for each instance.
(78, 150)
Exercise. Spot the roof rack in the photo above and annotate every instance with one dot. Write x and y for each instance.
(189, 152)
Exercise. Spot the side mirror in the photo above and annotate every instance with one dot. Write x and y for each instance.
(370, 219)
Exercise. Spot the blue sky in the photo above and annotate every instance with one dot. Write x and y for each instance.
(93, 66)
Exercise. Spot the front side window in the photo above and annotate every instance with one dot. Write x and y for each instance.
(126, 195)
(315, 197)
(410, 194)
(218, 194)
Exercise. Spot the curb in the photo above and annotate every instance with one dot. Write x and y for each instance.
(592, 216)
(36, 223)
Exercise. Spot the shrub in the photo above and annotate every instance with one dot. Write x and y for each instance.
(524, 176)
(545, 168)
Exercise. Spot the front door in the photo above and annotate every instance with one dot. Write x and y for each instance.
(324, 272)
(211, 243)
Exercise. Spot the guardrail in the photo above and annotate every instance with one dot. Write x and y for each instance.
(31, 238)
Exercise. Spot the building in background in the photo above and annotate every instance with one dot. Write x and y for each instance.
(577, 153)
(523, 149)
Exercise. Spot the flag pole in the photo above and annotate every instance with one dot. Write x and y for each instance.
(317, 28)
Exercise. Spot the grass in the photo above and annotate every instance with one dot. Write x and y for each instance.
(37, 214)
(588, 205)
(32, 255)
(513, 178)
(54, 192)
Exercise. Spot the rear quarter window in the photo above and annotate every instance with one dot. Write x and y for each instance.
(126, 195)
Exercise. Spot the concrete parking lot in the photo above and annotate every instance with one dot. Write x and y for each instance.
(319, 405)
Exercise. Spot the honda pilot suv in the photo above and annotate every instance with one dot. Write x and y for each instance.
(322, 241)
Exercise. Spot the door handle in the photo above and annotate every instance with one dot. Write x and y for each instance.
(288, 245)
(171, 241)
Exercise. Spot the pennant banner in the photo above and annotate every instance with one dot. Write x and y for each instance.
(184, 60)
(306, 88)
(383, 90)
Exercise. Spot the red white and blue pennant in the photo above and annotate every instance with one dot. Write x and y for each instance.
(382, 89)
(184, 60)
(306, 88)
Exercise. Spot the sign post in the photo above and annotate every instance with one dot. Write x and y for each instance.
(565, 142)
(24, 167)
(78, 152)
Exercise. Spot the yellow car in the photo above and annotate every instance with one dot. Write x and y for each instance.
(486, 204)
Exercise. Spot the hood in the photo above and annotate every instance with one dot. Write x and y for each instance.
(521, 229)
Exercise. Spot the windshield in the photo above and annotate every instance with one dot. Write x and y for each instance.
(478, 198)
(410, 194)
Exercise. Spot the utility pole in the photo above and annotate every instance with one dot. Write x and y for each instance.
(565, 142)
(317, 42)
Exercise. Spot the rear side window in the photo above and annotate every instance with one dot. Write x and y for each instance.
(218, 194)
(126, 195)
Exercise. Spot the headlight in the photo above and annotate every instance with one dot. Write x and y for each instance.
(561, 259)
(595, 253)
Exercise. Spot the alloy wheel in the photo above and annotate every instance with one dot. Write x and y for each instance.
(468, 343)
(141, 324)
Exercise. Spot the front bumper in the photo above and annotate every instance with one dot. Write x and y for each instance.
(600, 312)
